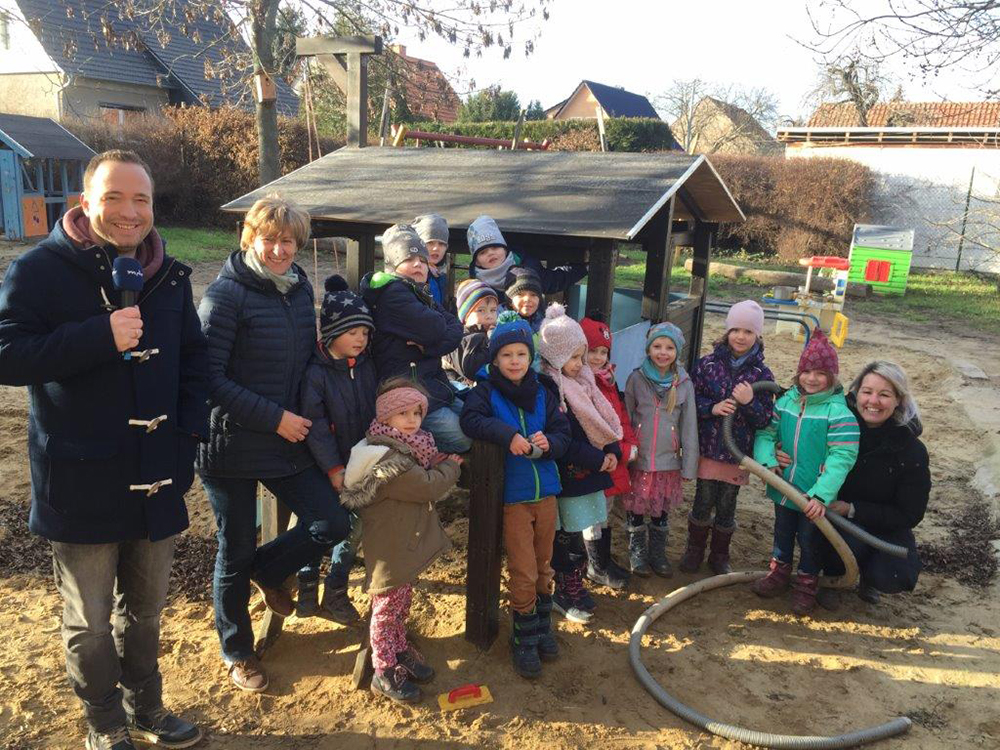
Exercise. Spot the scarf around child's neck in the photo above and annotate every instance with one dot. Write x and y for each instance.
(523, 394)
(738, 362)
(591, 408)
(421, 443)
(606, 374)
(661, 383)
(496, 277)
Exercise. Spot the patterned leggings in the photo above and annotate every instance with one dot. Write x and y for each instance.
(387, 630)
(714, 494)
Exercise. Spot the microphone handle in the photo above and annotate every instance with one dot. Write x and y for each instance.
(129, 298)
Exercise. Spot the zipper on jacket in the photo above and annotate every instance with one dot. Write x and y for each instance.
(538, 482)
(656, 429)
(289, 315)
(795, 443)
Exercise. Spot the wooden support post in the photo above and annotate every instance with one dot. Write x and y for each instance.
(482, 595)
(360, 259)
(601, 278)
(357, 99)
(659, 265)
(704, 237)
(274, 520)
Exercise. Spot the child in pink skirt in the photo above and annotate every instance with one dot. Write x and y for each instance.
(659, 398)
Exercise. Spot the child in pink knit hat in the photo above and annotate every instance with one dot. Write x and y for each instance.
(813, 424)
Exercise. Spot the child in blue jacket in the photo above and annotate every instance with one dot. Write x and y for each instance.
(519, 410)
(492, 260)
(413, 332)
(433, 230)
(338, 395)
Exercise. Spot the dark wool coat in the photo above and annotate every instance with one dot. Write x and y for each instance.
(55, 338)
(714, 379)
(412, 333)
(338, 396)
(259, 343)
(580, 466)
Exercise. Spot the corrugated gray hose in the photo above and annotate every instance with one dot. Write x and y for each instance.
(731, 731)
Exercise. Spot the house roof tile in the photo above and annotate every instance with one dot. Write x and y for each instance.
(905, 114)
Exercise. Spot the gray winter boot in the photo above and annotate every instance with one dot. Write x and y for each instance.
(638, 551)
(658, 550)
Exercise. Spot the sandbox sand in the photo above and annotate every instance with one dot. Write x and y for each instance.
(933, 655)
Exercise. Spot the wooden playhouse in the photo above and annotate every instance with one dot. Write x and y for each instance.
(41, 174)
(559, 206)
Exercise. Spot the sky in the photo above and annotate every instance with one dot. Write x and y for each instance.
(643, 45)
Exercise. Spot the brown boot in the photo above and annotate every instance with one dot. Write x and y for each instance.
(278, 601)
(694, 552)
(775, 582)
(247, 674)
(804, 593)
(718, 556)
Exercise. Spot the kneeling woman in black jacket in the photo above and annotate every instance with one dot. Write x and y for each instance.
(259, 318)
(886, 492)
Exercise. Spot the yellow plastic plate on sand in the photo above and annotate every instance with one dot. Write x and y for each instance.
(465, 697)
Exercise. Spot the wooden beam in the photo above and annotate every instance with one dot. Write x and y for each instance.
(338, 45)
(601, 278)
(360, 259)
(703, 242)
(659, 265)
(357, 100)
(336, 68)
(275, 518)
(482, 593)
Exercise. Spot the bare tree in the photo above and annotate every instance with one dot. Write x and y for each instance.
(851, 79)
(707, 117)
(933, 35)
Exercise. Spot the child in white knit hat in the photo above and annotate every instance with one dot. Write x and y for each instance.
(585, 469)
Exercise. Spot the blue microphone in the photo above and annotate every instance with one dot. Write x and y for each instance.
(126, 274)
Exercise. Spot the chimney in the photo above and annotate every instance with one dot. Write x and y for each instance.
(399, 49)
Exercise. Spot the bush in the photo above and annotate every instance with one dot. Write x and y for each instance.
(623, 133)
(201, 158)
(795, 207)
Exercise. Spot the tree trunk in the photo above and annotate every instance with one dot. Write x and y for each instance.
(264, 30)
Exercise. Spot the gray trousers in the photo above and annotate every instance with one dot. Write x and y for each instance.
(112, 598)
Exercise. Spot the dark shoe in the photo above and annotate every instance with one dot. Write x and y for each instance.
(804, 592)
(718, 555)
(598, 569)
(548, 649)
(658, 551)
(116, 739)
(307, 602)
(247, 674)
(868, 593)
(638, 551)
(775, 582)
(524, 645)
(278, 601)
(613, 568)
(394, 683)
(163, 728)
(694, 552)
(413, 662)
(564, 600)
(828, 599)
(338, 606)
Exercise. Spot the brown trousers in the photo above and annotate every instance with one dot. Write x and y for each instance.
(528, 531)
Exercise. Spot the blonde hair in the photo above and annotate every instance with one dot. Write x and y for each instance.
(273, 214)
(906, 411)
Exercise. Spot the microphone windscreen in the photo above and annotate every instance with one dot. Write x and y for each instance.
(126, 274)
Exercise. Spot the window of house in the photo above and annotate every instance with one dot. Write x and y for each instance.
(4, 31)
(119, 115)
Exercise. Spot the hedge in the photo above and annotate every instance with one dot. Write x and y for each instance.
(623, 133)
(795, 207)
(201, 158)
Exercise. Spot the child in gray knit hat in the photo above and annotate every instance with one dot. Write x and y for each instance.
(433, 230)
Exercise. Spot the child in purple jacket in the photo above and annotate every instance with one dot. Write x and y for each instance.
(722, 386)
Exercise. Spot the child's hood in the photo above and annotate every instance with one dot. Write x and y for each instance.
(374, 284)
(369, 469)
(363, 458)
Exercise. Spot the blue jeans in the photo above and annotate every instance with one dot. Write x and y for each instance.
(341, 561)
(443, 425)
(789, 524)
(322, 522)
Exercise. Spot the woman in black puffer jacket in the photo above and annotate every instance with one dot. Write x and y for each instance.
(886, 492)
(260, 321)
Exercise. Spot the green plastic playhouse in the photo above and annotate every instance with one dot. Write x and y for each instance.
(880, 256)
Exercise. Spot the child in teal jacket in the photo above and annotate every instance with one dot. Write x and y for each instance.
(814, 426)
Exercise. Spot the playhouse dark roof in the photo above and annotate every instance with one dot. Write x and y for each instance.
(564, 193)
(619, 102)
(75, 34)
(41, 137)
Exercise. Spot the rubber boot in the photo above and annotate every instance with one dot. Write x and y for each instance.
(694, 552)
(307, 602)
(638, 551)
(718, 555)
(337, 605)
(775, 582)
(658, 551)
(598, 569)
(606, 547)
(868, 593)
(524, 645)
(548, 649)
(804, 593)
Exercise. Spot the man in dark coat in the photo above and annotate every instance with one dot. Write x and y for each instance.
(117, 406)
